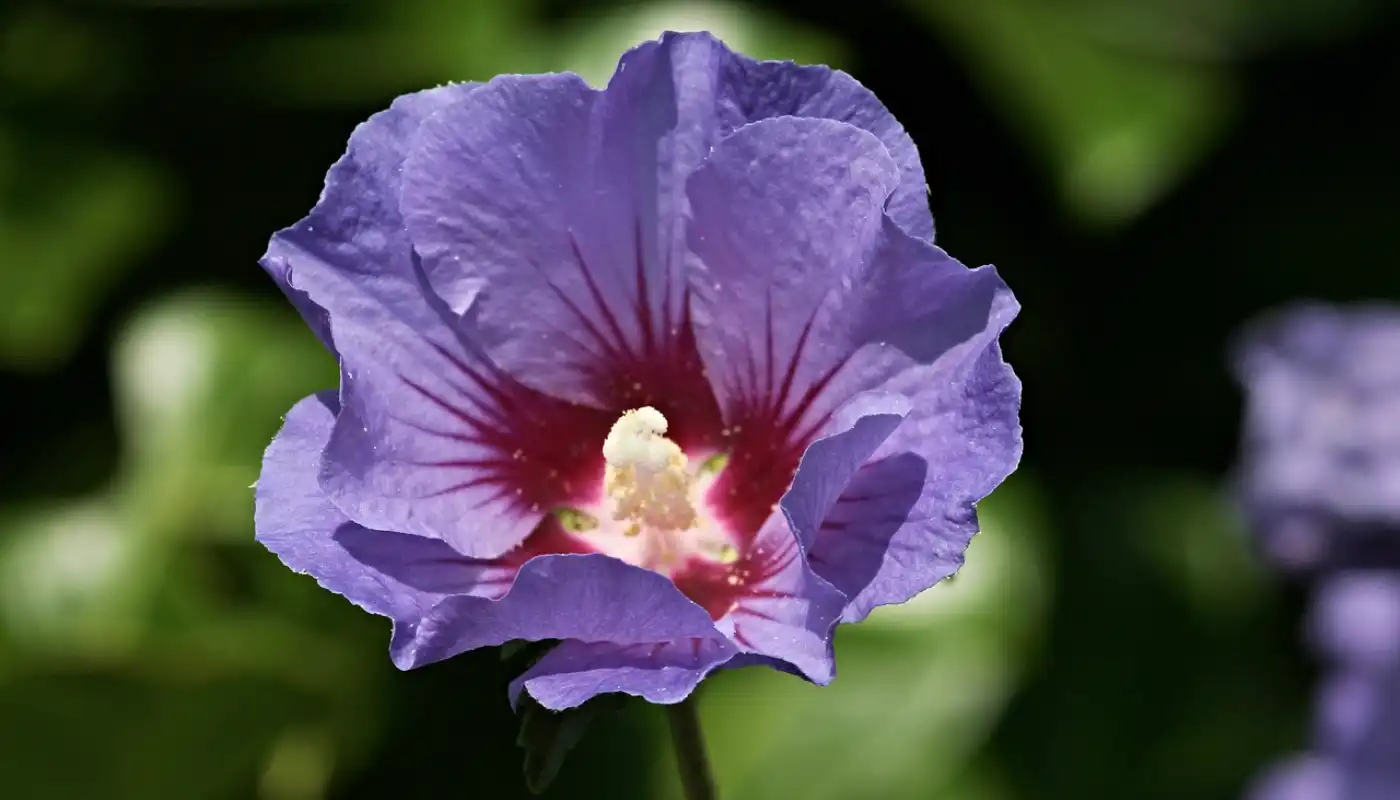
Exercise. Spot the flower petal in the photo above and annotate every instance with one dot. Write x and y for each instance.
(785, 212)
(577, 205)
(716, 91)
(353, 206)
(830, 463)
(664, 672)
(822, 297)
(540, 189)
(432, 443)
(592, 598)
(906, 519)
(296, 521)
(782, 609)
(804, 292)
(431, 438)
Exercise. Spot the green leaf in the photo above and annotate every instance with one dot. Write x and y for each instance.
(389, 48)
(591, 47)
(72, 219)
(72, 734)
(74, 581)
(1187, 528)
(1117, 127)
(548, 736)
(202, 379)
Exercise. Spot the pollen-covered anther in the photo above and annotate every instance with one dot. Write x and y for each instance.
(646, 474)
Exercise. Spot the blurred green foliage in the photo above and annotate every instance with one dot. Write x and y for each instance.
(137, 647)
(1110, 635)
(1117, 126)
(71, 222)
(1121, 99)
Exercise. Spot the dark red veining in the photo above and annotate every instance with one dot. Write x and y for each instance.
(547, 452)
(767, 435)
(723, 588)
(541, 449)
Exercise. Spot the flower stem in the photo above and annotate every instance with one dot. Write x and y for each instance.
(691, 761)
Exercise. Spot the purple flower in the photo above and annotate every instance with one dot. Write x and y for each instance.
(1355, 620)
(1359, 732)
(1355, 626)
(1303, 778)
(1320, 474)
(671, 372)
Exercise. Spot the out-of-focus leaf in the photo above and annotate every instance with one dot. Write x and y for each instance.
(73, 582)
(413, 44)
(1220, 29)
(158, 576)
(1117, 127)
(48, 52)
(919, 685)
(299, 767)
(592, 46)
(108, 734)
(388, 48)
(978, 782)
(899, 722)
(70, 222)
(202, 380)
(1190, 532)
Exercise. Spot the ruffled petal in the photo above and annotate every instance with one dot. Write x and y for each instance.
(359, 201)
(719, 91)
(543, 191)
(577, 201)
(432, 439)
(806, 296)
(781, 608)
(664, 672)
(785, 214)
(831, 462)
(716, 91)
(905, 521)
(442, 603)
(592, 598)
(296, 521)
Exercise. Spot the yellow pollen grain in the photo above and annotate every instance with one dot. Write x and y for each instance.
(646, 474)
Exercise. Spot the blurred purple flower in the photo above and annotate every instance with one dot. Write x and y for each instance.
(1303, 778)
(1320, 472)
(1355, 619)
(1320, 484)
(740, 252)
(1355, 626)
(1321, 778)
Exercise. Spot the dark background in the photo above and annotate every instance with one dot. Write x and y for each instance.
(1146, 174)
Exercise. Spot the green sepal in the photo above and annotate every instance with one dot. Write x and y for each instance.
(548, 736)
